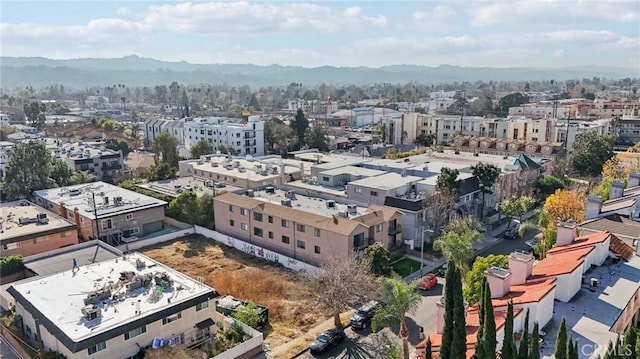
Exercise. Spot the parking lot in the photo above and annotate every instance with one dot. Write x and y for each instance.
(361, 344)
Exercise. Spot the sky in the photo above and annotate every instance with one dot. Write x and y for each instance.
(504, 33)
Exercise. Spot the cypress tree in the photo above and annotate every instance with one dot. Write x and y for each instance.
(618, 348)
(507, 343)
(459, 333)
(561, 341)
(535, 343)
(489, 336)
(630, 342)
(576, 354)
(447, 331)
(570, 348)
(523, 352)
(427, 349)
(609, 353)
(480, 352)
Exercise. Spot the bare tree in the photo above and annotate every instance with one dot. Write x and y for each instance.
(438, 206)
(340, 282)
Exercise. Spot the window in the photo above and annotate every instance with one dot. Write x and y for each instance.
(257, 216)
(13, 245)
(270, 235)
(129, 217)
(285, 239)
(325, 178)
(300, 244)
(374, 194)
(201, 306)
(232, 223)
(270, 219)
(316, 232)
(230, 206)
(358, 240)
(300, 227)
(285, 223)
(134, 333)
(358, 190)
(107, 224)
(257, 231)
(172, 318)
(379, 227)
(316, 249)
(96, 348)
(244, 211)
(244, 226)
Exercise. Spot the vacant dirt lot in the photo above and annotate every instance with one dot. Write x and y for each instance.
(232, 272)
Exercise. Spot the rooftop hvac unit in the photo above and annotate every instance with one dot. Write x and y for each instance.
(352, 208)
(270, 189)
(140, 263)
(163, 280)
(250, 193)
(91, 312)
(331, 204)
(286, 202)
(241, 170)
(74, 192)
(214, 164)
(97, 296)
(236, 164)
(291, 195)
(118, 201)
(42, 218)
(139, 281)
(343, 214)
(263, 172)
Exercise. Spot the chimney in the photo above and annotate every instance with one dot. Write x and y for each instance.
(440, 307)
(634, 180)
(283, 174)
(520, 264)
(62, 210)
(566, 233)
(617, 189)
(403, 173)
(499, 280)
(76, 219)
(594, 206)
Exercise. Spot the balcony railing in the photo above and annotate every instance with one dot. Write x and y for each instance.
(365, 242)
(393, 230)
(113, 166)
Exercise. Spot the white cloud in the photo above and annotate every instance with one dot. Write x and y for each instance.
(557, 12)
(123, 11)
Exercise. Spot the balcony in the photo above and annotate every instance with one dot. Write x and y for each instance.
(112, 166)
(395, 229)
(249, 135)
(361, 243)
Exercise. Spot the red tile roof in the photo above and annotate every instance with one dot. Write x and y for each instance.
(623, 250)
(581, 242)
(529, 292)
(561, 263)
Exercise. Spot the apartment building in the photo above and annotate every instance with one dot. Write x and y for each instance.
(241, 172)
(28, 229)
(104, 163)
(244, 137)
(402, 129)
(115, 308)
(508, 147)
(103, 211)
(446, 127)
(305, 228)
(623, 200)
(628, 131)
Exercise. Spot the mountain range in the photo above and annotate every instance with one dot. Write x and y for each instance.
(135, 71)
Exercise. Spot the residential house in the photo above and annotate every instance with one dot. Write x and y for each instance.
(622, 200)
(624, 228)
(137, 164)
(104, 211)
(305, 228)
(115, 308)
(28, 229)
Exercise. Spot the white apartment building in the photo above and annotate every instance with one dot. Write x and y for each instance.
(446, 126)
(568, 130)
(543, 109)
(402, 129)
(313, 106)
(114, 308)
(246, 138)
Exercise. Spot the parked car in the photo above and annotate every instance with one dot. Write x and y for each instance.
(442, 271)
(511, 233)
(361, 319)
(326, 340)
(428, 281)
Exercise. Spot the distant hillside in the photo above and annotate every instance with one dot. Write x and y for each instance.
(137, 71)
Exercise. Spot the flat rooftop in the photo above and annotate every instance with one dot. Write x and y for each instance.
(353, 170)
(242, 168)
(386, 181)
(81, 197)
(317, 189)
(83, 150)
(58, 299)
(313, 205)
(175, 186)
(322, 157)
(61, 259)
(590, 315)
(431, 181)
(12, 213)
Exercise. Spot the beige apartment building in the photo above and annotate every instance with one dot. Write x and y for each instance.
(305, 228)
(103, 211)
(28, 229)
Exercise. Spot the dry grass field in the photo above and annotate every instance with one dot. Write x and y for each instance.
(232, 272)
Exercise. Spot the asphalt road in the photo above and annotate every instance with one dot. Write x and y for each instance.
(507, 246)
(6, 352)
(361, 345)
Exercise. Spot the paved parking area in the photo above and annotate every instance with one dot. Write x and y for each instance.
(362, 345)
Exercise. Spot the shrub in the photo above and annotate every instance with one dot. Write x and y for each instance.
(549, 184)
(11, 264)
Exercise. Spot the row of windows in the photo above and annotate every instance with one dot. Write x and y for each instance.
(259, 232)
(141, 330)
(258, 217)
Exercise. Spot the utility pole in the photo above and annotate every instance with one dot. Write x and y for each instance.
(95, 214)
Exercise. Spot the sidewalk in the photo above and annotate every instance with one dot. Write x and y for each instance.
(490, 239)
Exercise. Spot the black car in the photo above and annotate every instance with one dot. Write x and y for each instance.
(326, 340)
(511, 233)
(362, 317)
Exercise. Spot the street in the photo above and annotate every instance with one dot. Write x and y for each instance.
(361, 344)
(6, 352)
(506, 246)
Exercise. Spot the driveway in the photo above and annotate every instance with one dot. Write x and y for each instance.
(361, 345)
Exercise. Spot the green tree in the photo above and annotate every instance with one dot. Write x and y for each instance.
(80, 177)
(201, 148)
(535, 343)
(548, 184)
(28, 169)
(474, 278)
(523, 351)
(507, 344)
(118, 145)
(316, 137)
(427, 349)
(561, 341)
(277, 135)
(185, 206)
(299, 125)
(487, 174)
(161, 171)
(400, 299)
(511, 100)
(5, 131)
(480, 352)
(448, 180)
(447, 331)
(134, 132)
(35, 113)
(459, 337)
(590, 151)
(377, 257)
(457, 245)
(630, 342)
(425, 140)
(61, 172)
(249, 314)
(489, 340)
(165, 148)
(517, 207)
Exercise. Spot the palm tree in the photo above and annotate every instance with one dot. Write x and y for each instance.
(456, 244)
(82, 177)
(542, 225)
(135, 133)
(400, 299)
